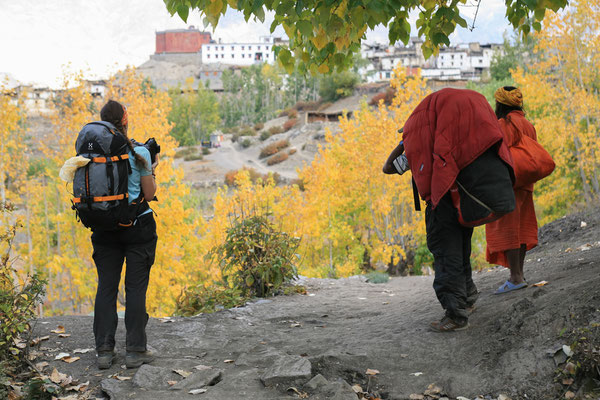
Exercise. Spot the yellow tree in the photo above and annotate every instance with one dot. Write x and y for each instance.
(562, 99)
(351, 206)
(12, 141)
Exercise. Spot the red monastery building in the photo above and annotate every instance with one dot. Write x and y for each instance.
(181, 40)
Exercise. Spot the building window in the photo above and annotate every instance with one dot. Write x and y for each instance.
(452, 63)
(222, 55)
(215, 73)
(222, 48)
(231, 48)
(232, 56)
(242, 47)
(249, 55)
(267, 47)
(243, 55)
(249, 47)
(259, 47)
(207, 48)
(208, 56)
(452, 56)
(206, 73)
(267, 56)
(480, 61)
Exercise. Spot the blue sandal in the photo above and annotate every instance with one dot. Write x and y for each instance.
(509, 287)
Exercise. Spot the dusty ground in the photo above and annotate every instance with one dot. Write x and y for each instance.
(303, 138)
(345, 326)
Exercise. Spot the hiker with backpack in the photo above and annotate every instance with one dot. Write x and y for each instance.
(113, 181)
(461, 168)
(510, 237)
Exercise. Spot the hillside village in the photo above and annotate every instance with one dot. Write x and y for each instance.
(181, 54)
(192, 57)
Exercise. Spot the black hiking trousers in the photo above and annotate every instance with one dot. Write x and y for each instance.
(136, 245)
(450, 244)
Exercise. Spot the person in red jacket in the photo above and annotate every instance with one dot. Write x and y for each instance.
(447, 131)
(510, 237)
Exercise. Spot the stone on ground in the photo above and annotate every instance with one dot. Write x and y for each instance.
(287, 369)
(316, 382)
(199, 379)
(153, 378)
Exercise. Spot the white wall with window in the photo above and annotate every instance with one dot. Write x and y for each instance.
(238, 53)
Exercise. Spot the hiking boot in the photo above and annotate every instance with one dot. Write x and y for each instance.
(106, 358)
(448, 324)
(134, 359)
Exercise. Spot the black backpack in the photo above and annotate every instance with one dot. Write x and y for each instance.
(100, 188)
(484, 190)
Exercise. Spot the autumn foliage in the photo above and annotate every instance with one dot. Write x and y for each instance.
(344, 211)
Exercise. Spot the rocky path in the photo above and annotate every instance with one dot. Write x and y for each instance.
(348, 333)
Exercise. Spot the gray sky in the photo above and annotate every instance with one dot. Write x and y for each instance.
(39, 38)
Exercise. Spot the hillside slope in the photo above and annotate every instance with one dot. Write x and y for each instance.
(343, 327)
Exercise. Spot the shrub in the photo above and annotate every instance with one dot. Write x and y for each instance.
(235, 137)
(255, 257)
(264, 135)
(247, 131)
(18, 302)
(200, 299)
(294, 289)
(193, 157)
(292, 151)
(386, 96)
(186, 151)
(292, 113)
(273, 148)
(377, 277)
(277, 158)
(274, 130)
(246, 143)
(205, 151)
(289, 124)
(231, 176)
(258, 126)
(284, 113)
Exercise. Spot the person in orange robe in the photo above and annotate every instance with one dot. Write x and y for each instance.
(510, 237)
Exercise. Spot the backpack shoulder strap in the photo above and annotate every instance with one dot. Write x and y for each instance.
(416, 196)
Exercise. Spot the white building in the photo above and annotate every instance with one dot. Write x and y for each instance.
(240, 53)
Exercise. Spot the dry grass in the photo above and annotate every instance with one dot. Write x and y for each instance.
(273, 148)
(277, 158)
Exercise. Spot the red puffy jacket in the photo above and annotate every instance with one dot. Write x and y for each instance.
(446, 132)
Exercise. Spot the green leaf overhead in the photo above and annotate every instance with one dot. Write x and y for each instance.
(324, 34)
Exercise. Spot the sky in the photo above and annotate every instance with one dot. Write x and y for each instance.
(39, 39)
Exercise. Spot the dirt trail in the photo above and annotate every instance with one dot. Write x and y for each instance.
(345, 326)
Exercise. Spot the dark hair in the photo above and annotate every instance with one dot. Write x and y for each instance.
(502, 110)
(113, 112)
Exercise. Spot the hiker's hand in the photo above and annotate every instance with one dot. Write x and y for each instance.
(155, 164)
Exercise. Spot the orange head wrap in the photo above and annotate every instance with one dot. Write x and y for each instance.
(124, 120)
(512, 98)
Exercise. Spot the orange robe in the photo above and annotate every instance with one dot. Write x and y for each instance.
(520, 226)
